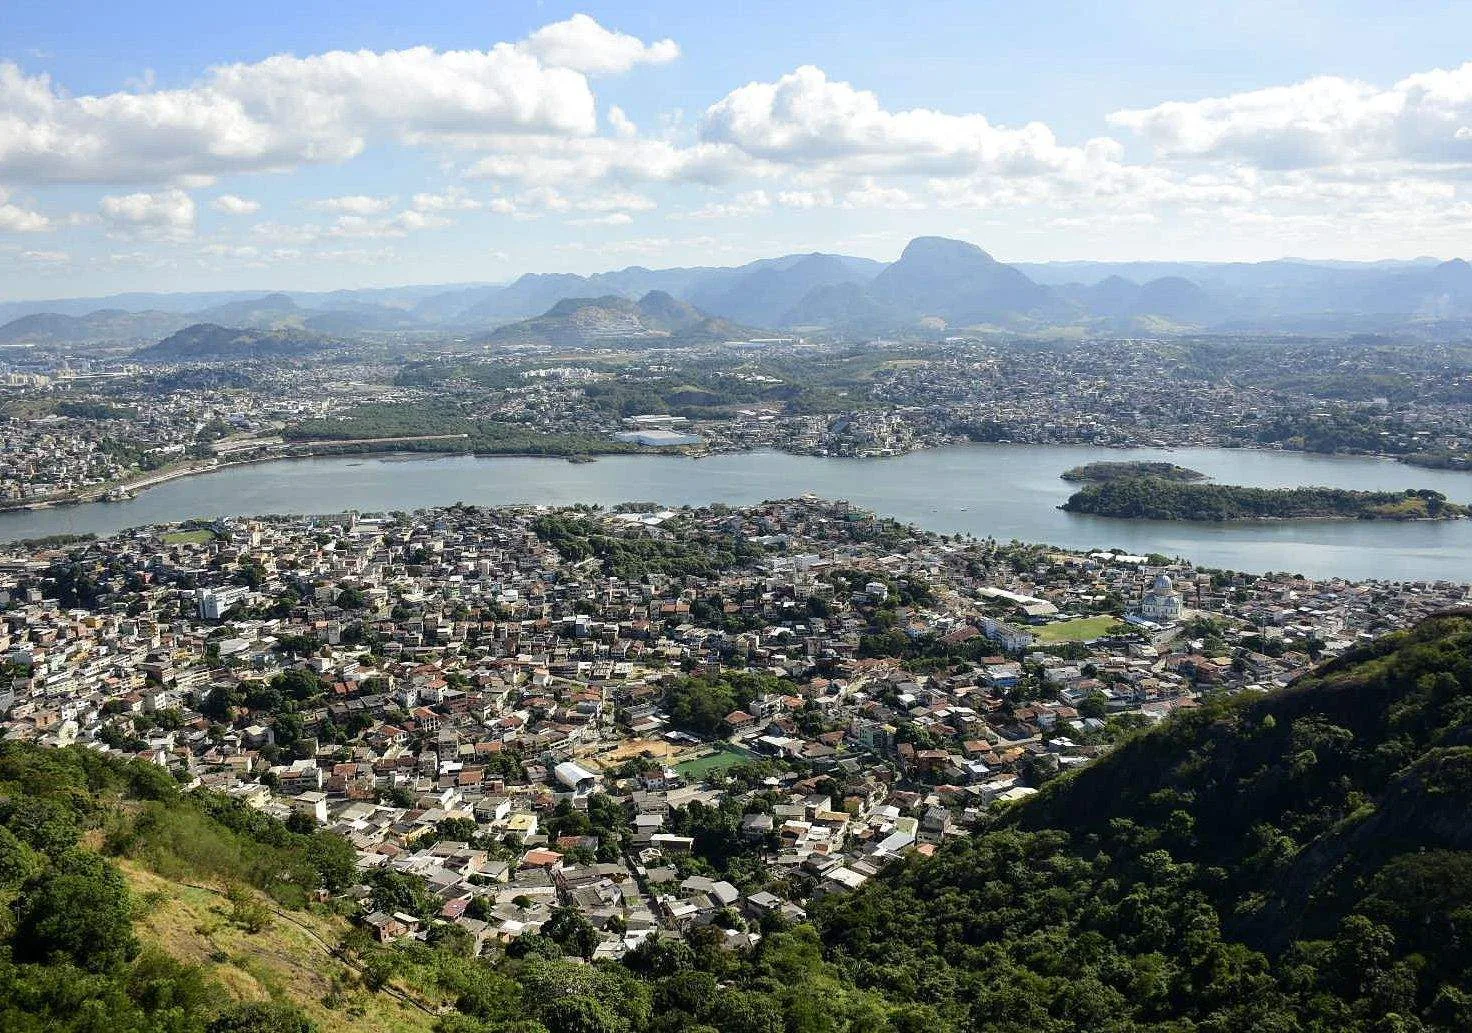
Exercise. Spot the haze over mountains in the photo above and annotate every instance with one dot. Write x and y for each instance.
(935, 284)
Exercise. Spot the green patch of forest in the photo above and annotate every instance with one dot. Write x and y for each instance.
(1125, 470)
(635, 555)
(1153, 498)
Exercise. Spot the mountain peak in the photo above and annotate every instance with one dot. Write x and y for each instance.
(942, 248)
(958, 282)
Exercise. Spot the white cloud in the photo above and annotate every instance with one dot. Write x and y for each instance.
(165, 215)
(46, 258)
(867, 194)
(282, 233)
(364, 226)
(561, 160)
(219, 249)
(1320, 122)
(400, 225)
(581, 44)
(623, 127)
(15, 219)
(282, 112)
(287, 111)
(537, 201)
(453, 199)
(232, 204)
(611, 219)
(355, 204)
(748, 203)
(806, 119)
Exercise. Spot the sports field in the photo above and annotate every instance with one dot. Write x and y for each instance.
(1081, 630)
(722, 756)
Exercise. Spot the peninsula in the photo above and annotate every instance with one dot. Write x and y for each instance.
(1156, 498)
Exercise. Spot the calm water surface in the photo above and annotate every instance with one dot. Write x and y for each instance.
(1003, 491)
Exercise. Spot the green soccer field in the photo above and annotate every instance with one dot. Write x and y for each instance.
(723, 757)
(1081, 630)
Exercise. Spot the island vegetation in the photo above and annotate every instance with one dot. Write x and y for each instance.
(1154, 498)
(1129, 469)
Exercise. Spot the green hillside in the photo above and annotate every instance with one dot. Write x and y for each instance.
(1299, 861)
(127, 905)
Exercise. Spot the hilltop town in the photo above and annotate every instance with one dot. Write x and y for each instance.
(636, 719)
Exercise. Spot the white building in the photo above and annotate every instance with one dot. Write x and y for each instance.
(576, 777)
(1162, 604)
(214, 602)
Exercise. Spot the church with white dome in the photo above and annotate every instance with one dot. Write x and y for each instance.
(1162, 604)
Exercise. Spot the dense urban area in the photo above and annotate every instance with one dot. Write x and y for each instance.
(577, 732)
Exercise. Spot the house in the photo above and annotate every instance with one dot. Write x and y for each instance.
(390, 927)
(740, 721)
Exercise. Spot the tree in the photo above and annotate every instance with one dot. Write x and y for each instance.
(572, 932)
(78, 908)
(43, 824)
(1095, 705)
(18, 862)
(581, 1015)
(247, 911)
(352, 599)
(220, 701)
(261, 1017)
(397, 891)
(458, 830)
(660, 956)
(335, 860)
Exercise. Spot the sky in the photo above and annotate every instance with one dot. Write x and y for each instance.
(187, 146)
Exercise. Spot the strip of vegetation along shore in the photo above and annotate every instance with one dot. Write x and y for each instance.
(1156, 498)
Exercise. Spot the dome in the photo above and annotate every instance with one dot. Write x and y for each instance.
(1163, 585)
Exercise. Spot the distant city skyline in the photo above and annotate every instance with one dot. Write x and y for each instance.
(357, 145)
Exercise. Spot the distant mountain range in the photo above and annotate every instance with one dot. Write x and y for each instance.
(109, 324)
(936, 284)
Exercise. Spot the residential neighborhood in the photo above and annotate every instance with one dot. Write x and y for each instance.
(654, 718)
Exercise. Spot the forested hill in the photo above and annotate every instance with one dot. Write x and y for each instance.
(1299, 861)
(1158, 498)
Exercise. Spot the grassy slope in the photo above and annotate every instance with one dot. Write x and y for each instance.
(289, 959)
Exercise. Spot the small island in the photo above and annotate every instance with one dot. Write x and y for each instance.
(1155, 498)
(1097, 473)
